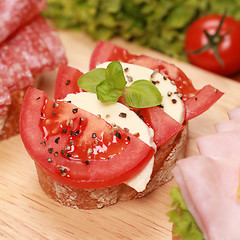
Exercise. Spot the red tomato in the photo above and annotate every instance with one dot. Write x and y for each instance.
(228, 48)
(163, 125)
(106, 51)
(76, 147)
(66, 81)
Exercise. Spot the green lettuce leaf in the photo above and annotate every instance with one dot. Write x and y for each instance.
(184, 224)
(158, 24)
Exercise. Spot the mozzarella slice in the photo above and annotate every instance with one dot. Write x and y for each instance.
(171, 99)
(122, 116)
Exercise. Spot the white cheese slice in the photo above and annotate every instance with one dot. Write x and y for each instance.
(113, 113)
(171, 99)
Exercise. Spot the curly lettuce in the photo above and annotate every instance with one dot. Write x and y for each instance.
(158, 24)
(184, 224)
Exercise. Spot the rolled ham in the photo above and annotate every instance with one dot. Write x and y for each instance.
(234, 113)
(228, 126)
(221, 146)
(210, 190)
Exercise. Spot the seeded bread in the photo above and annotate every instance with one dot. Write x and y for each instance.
(165, 159)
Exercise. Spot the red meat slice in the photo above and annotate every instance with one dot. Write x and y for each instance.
(26, 42)
(15, 13)
(51, 39)
(14, 71)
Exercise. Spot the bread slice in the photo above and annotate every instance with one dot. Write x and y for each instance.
(165, 159)
(11, 118)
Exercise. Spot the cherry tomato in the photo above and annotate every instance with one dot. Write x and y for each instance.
(212, 43)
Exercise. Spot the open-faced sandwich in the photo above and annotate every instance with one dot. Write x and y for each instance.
(28, 47)
(113, 133)
(206, 200)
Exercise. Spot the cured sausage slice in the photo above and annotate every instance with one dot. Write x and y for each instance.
(16, 13)
(35, 51)
(51, 39)
(14, 71)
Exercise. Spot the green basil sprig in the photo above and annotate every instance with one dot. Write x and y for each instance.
(109, 84)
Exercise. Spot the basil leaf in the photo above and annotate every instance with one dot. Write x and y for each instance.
(108, 94)
(115, 76)
(142, 94)
(90, 80)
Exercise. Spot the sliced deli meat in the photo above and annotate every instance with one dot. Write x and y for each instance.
(210, 190)
(51, 39)
(16, 13)
(234, 113)
(228, 126)
(27, 42)
(14, 70)
(28, 47)
(225, 145)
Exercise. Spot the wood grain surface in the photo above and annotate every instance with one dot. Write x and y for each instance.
(27, 213)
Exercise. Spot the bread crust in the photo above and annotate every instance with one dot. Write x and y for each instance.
(165, 159)
(11, 118)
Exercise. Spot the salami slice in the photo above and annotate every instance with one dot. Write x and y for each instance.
(16, 13)
(14, 71)
(26, 42)
(51, 39)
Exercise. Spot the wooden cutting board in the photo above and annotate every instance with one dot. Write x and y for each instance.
(27, 213)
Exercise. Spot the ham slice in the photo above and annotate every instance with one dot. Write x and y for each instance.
(220, 146)
(234, 113)
(51, 39)
(228, 126)
(15, 13)
(209, 188)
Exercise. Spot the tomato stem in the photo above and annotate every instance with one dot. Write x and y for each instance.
(213, 41)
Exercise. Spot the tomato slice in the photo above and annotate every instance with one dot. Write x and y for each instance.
(194, 104)
(164, 126)
(66, 81)
(157, 119)
(106, 51)
(76, 147)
